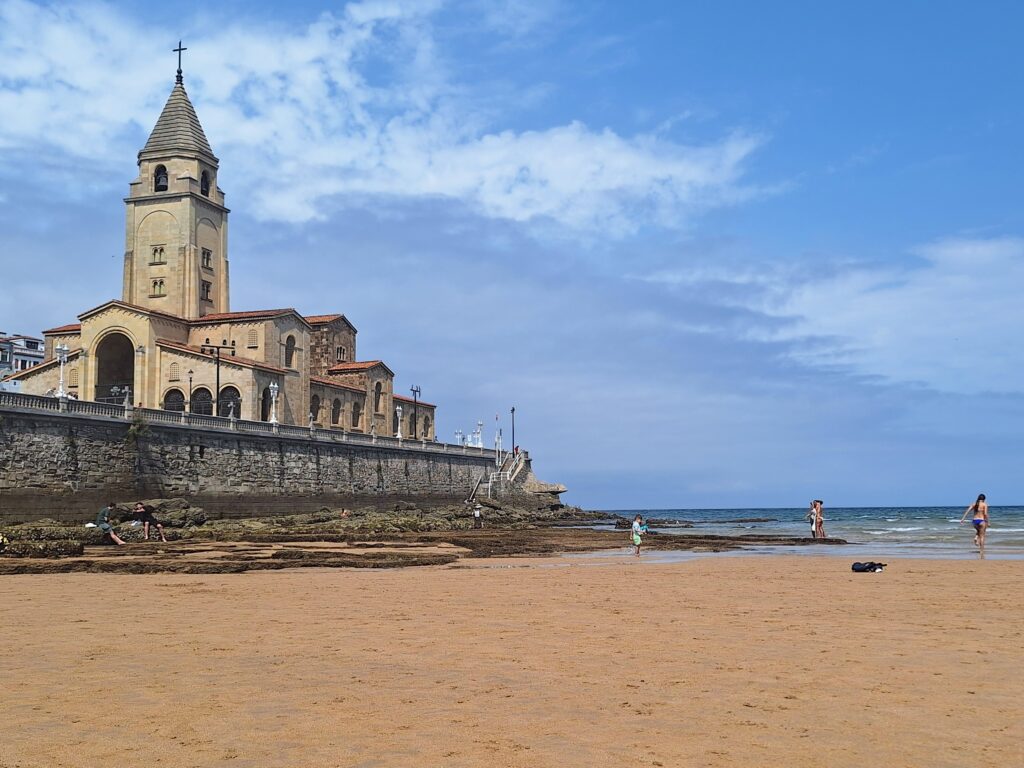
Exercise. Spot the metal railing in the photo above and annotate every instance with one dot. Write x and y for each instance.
(67, 405)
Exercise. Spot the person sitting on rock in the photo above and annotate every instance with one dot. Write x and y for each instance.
(144, 516)
(103, 523)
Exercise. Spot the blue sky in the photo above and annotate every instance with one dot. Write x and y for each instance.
(716, 254)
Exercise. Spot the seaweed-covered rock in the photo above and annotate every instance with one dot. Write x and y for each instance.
(57, 548)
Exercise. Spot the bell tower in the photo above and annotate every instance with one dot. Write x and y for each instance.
(176, 224)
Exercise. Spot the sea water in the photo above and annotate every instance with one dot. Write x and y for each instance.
(872, 532)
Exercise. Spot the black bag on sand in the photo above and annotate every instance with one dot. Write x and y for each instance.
(868, 567)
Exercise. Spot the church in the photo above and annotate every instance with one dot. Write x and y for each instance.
(172, 342)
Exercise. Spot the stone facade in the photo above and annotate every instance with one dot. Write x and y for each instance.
(65, 466)
(155, 345)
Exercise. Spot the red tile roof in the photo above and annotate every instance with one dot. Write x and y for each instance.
(335, 384)
(318, 319)
(70, 328)
(405, 399)
(257, 314)
(357, 367)
(232, 359)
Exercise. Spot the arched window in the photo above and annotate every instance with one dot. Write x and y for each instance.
(202, 401)
(229, 402)
(174, 372)
(426, 428)
(160, 179)
(204, 183)
(174, 400)
(265, 402)
(73, 378)
(289, 352)
(357, 413)
(314, 407)
(254, 339)
(378, 392)
(394, 424)
(336, 411)
(340, 354)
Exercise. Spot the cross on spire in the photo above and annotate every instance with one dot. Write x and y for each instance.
(178, 51)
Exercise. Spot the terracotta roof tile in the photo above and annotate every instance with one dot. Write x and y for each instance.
(405, 399)
(337, 384)
(231, 359)
(147, 310)
(355, 367)
(69, 328)
(256, 314)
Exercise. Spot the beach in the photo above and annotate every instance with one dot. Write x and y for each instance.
(556, 661)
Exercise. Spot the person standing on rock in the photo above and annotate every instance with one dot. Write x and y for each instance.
(145, 517)
(103, 523)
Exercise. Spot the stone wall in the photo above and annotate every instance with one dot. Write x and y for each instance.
(65, 466)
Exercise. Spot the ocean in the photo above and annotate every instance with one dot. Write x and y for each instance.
(872, 532)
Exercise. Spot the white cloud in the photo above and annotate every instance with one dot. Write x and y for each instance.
(354, 107)
(950, 320)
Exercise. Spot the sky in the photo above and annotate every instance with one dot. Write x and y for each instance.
(731, 254)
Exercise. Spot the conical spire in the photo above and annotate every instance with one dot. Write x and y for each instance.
(178, 129)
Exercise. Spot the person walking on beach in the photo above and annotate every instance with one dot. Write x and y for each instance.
(819, 519)
(103, 523)
(812, 518)
(145, 517)
(979, 510)
(639, 529)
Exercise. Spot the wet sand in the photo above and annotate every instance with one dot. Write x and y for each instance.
(720, 661)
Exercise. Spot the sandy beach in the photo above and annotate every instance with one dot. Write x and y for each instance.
(567, 661)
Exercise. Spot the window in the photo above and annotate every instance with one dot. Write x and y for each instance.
(174, 400)
(202, 401)
(31, 344)
(254, 339)
(207, 258)
(73, 378)
(5, 355)
(204, 290)
(357, 412)
(204, 183)
(336, 412)
(160, 179)
(289, 352)
(174, 372)
(340, 354)
(394, 424)
(230, 402)
(426, 428)
(378, 393)
(158, 255)
(158, 288)
(314, 408)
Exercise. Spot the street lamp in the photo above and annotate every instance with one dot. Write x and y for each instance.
(398, 413)
(190, 390)
(415, 408)
(273, 402)
(514, 448)
(214, 349)
(62, 355)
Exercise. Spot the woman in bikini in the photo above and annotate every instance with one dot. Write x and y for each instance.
(819, 519)
(979, 519)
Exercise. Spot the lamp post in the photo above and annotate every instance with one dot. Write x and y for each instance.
(214, 349)
(398, 413)
(273, 402)
(415, 408)
(190, 390)
(62, 355)
(514, 449)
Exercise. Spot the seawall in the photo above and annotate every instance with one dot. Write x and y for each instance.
(66, 465)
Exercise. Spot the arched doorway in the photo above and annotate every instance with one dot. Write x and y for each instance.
(314, 408)
(115, 369)
(202, 401)
(174, 400)
(229, 402)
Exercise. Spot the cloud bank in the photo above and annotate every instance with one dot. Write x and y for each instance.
(354, 108)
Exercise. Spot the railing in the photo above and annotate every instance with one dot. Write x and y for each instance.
(229, 424)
